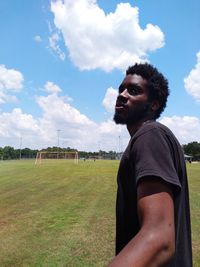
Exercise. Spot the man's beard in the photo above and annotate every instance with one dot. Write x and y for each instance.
(132, 116)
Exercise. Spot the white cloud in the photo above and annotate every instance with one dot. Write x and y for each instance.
(54, 45)
(55, 108)
(51, 87)
(110, 127)
(192, 81)
(107, 41)
(110, 99)
(186, 128)
(4, 98)
(112, 136)
(15, 124)
(77, 130)
(38, 39)
(11, 81)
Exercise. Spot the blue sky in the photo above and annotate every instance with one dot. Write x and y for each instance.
(61, 63)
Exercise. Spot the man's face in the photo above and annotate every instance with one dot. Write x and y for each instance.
(132, 103)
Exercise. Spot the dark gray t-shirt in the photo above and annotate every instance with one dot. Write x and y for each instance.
(153, 151)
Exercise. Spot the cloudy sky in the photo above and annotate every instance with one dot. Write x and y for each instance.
(62, 61)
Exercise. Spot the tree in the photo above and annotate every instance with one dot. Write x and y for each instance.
(28, 153)
(1, 153)
(192, 149)
(9, 152)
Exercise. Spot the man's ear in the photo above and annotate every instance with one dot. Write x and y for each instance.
(155, 105)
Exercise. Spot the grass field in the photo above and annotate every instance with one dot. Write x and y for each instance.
(62, 214)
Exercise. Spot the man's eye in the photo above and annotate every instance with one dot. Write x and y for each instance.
(133, 91)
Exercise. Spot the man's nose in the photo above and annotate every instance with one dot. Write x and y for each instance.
(123, 95)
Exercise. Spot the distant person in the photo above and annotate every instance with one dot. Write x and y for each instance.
(152, 209)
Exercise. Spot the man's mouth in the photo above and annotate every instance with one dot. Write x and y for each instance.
(119, 106)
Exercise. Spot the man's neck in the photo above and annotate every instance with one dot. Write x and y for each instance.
(132, 129)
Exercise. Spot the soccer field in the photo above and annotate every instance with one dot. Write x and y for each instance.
(63, 214)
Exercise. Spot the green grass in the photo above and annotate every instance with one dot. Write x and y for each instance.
(62, 214)
(194, 186)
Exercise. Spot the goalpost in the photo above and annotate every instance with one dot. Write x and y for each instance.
(44, 155)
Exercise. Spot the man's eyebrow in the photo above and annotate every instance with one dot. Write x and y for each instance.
(135, 85)
(130, 85)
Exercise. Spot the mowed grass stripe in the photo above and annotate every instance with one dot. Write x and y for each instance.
(53, 213)
(194, 186)
(63, 214)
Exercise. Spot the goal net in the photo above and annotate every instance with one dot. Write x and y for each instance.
(46, 155)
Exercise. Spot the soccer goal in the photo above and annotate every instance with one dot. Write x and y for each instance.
(46, 155)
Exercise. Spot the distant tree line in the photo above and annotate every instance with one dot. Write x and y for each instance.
(100, 154)
(6, 153)
(9, 152)
(192, 149)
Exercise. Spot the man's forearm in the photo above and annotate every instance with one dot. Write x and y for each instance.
(146, 249)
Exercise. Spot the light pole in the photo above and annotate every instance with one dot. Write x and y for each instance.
(20, 148)
(119, 144)
(58, 133)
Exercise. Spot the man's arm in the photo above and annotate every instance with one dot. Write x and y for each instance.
(154, 245)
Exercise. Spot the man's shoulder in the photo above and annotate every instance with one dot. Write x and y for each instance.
(149, 126)
(153, 132)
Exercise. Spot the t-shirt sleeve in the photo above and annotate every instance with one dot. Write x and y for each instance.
(153, 157)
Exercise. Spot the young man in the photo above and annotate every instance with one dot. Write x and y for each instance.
(152, 209)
